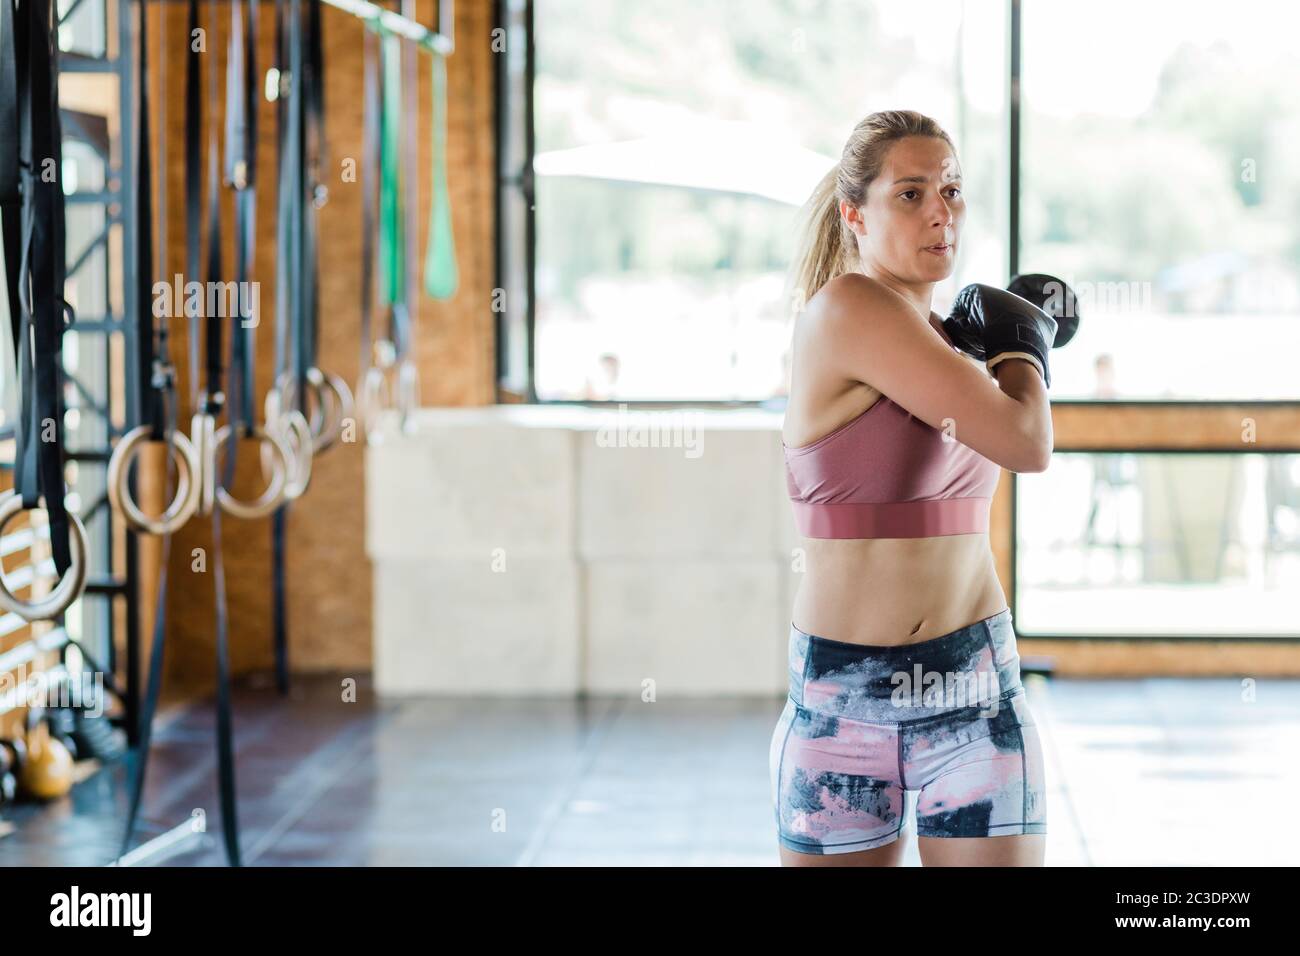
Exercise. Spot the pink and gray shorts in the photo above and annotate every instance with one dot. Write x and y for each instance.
(864, 724)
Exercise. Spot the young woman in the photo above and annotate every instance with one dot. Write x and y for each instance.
(904, 674)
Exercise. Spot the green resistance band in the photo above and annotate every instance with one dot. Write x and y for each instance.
(440, 276)
(392, 277)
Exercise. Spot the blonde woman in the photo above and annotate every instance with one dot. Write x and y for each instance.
(904, 674)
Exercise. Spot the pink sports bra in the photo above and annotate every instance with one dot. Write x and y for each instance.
(887, 474)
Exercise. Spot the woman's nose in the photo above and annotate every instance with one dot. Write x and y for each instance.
(942, 213)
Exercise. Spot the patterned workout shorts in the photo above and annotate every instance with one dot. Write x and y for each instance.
(863, 724)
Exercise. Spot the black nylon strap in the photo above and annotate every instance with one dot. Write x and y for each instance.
(212, 402)
(287, 303)
(157, 399)
(313, 189)
(10, 182)
(225, 744)
(38, 467)
(193, 182)
(241, 165)
(299, 225)
(285, 234)
(213, 397)
(294, 228)
(248, 217)
(16, 218)
(151, 343)
(9, 192)
(154, 685)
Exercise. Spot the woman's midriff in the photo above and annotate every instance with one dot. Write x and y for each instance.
(896, 590)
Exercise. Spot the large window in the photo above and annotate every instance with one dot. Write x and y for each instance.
(675, 142)
(1133, 545)
(1159, 177)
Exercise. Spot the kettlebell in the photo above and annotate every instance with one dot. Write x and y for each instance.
(93, 737)
(14, 756)
(8, 779)
(47, 772)
(63, 726)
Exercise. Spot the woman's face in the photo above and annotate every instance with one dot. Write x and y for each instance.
(913, 206)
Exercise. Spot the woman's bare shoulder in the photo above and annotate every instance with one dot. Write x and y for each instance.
(852, 287)
(848, 301)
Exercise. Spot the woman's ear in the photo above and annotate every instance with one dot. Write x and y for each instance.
(853, 216)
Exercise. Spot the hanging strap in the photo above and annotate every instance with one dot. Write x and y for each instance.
(294, 182)
(44, 314)
(9, 191)
(10, 186)
(241, 162)
(211, 404)
(193, 183)
(315, 191)
(410, 186)
(392, 256)
(440, 273)
(288, 294)
(155, 375)
(286, 234)
(370, 167)
(157, 396)
(213, 400)
(213, 396)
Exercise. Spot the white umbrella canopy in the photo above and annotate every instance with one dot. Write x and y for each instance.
(725, 157)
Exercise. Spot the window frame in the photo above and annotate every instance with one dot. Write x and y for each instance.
(1080, 425)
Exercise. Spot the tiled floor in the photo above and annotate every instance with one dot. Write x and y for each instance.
(1141, 772)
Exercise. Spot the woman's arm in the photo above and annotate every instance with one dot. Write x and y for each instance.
(870, 334)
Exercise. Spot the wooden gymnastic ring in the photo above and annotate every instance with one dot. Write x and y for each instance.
(182, 506)
(70, 585)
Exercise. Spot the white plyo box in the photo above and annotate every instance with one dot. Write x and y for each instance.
(711, 500)
(692, 626)
(452, 490)
(460, 626)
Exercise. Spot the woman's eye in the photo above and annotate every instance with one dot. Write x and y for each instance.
(912, 192)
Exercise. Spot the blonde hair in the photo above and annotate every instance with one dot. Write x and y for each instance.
(827, 246)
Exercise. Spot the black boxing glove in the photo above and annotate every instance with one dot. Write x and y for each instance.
(1054, 297)
(994, 325)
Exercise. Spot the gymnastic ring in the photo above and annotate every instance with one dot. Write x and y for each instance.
(372, 398)
(202, 430)
(324, 431)
(341, 406)
(182, 506)
(274, 495)
(384, 354)
(292, 427)
(408, 390)
(70, 585)
(286, 389)
(298, 434)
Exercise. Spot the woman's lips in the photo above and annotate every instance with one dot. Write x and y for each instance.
(941, 250)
